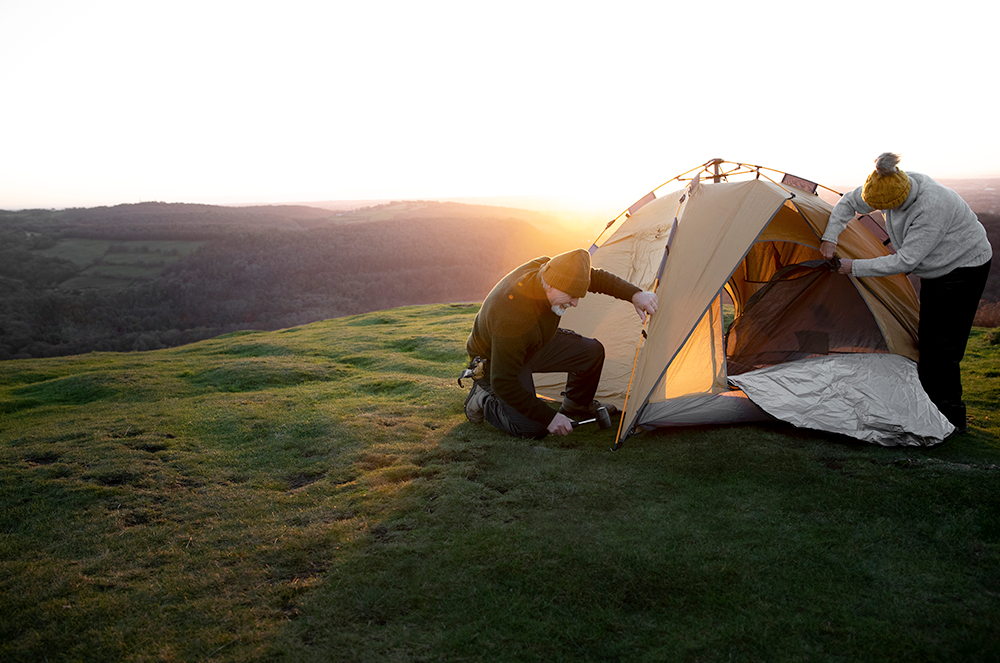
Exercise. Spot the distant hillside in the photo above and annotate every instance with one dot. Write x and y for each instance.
(992, 225)
(153, 275)
(569, 234)
(983, 195)
(165, 220)
(191, 221)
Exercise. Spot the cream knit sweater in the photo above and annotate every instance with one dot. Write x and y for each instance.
(934, 232)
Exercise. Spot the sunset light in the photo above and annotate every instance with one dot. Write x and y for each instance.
(110, 102)
(534, 330)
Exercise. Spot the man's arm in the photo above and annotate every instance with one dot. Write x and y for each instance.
(606, 283)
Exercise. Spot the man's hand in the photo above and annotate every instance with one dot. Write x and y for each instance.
(645, 303)
(827, 249)
(561, 424)
(845, 266)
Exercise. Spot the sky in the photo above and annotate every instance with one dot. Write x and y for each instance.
(594, 104)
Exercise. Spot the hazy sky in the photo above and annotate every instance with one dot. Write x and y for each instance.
(108, 102)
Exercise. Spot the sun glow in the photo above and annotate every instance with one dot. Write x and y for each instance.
(228, 102)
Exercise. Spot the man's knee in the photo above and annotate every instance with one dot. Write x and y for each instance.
(595, 352)
(505, 418)
(598, 349)
(584, 346)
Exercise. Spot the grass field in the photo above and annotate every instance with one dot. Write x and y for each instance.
(317, 494)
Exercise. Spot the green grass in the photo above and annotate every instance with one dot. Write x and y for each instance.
(81, 252)
(316, 494)
(101, 267)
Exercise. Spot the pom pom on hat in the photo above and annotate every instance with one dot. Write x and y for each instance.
(569, 272)
(887, 187)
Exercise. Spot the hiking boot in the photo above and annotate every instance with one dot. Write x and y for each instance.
(474, 403)
(574, 410)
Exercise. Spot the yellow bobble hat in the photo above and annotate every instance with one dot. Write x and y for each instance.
(887, 187)
(569, 272)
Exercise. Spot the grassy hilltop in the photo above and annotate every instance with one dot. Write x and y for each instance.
(316, 494)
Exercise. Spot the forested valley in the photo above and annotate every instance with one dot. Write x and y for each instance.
(155, 275)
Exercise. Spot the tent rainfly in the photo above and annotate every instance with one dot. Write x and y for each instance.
(804, 345)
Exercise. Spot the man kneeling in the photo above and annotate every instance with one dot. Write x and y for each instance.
(517, 333)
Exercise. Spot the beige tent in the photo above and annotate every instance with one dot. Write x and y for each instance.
(728, 233)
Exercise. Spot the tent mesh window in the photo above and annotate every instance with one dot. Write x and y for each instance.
(804, 310)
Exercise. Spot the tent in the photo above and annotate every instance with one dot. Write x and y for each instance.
(805, 345)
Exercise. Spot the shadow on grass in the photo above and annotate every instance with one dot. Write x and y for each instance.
(750, 543)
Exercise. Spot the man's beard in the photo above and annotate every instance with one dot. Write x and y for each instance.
(559, 309)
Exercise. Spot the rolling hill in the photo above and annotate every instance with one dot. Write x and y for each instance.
(153, 275)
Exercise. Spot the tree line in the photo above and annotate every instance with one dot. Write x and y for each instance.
(257, 275)
(249, 277)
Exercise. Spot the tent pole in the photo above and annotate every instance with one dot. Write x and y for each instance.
(643, 336)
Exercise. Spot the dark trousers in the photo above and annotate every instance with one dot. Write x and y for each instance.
(947, 309)
(582, 358)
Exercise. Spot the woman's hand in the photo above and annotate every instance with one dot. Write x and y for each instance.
(827, 249)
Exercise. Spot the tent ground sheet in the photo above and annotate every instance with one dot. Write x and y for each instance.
(876, 398)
